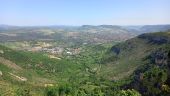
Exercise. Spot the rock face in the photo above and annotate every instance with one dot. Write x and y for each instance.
(1, 52)
(155, 39)
(1, 73)
(18, 77)
(115, 50)
(159, 58)
(168, 61)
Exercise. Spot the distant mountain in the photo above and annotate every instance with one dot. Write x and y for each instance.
(84, 33)
(135, 28)
(7, 27)
(154, 28)
(104, 28)
(148, 28)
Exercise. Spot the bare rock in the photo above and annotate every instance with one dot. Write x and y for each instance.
(1, 73)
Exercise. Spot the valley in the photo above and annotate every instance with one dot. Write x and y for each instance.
(84, 48)
(104, 60)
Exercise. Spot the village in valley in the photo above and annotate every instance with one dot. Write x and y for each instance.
(51, 49)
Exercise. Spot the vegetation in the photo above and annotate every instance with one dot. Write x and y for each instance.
(136, 67)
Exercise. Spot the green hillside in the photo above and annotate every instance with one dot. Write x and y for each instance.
(148, 56)
(137, 66)
(36, 69)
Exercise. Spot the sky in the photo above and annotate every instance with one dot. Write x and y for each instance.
(84, 12)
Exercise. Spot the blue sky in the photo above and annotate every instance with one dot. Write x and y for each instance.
(82, 12)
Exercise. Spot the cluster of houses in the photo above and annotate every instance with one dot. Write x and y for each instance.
(55, 50)
(73, 51)
(48, 48)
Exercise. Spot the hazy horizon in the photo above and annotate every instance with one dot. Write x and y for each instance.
(76, 25)
(89, 12)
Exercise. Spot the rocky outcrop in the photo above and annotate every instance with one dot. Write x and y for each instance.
(18, 77)
(1, 73)
(116, 50)
(159, 58)
(1, 52)
(155, 39)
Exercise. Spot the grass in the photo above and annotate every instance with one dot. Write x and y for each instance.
(92, 64)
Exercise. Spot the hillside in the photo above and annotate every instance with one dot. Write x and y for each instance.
(149, 55)
(20, 69)
(128, 55)
(136, 66)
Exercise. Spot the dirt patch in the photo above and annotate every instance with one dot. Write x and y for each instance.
(18, 77)
(9, 64)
